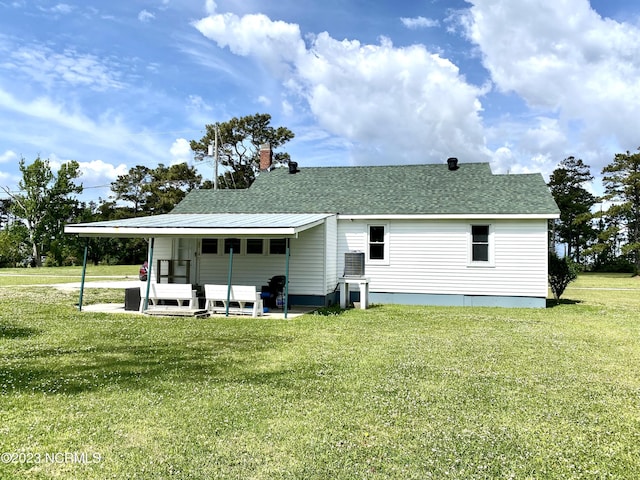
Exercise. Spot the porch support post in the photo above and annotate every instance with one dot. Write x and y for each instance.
(286, 280)
(145, 304)
(84, 271)
(226, 308)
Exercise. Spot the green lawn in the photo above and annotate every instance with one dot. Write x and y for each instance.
(44, 276)
(390, 392)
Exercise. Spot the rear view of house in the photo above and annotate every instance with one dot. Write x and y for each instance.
(443, 234)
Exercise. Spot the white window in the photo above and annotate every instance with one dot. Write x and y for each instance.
(378, 244)
(210, 246)
(481, 245)
(254, 246)
(278, 246)
(232, 243)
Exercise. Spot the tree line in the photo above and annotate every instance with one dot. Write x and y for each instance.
(32, 218)
(599, 233)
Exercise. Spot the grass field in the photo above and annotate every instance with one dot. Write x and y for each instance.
(390, 392)
(47, 276)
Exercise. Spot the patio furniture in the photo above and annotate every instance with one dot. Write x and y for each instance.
(271, 291)
(238, 297)
(178, 292)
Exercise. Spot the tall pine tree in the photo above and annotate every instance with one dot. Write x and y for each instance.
(575, 203)
(621, 180)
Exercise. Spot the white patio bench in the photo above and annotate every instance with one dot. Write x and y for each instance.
(216, 299)
(178, 292)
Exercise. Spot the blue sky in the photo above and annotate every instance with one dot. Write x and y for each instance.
(523, 85)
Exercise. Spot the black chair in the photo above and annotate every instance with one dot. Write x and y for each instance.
(271, 291)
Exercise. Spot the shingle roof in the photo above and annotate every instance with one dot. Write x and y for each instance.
(430, 189)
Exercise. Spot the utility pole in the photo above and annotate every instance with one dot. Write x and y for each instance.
(213, 151)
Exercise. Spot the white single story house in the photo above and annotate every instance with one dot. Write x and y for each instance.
(437, 234)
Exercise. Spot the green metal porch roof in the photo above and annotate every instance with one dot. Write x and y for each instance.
(281, 225)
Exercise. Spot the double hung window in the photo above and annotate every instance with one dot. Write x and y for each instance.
(481, 244)
(378, 244)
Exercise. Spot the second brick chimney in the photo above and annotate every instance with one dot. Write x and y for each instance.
(266, 157)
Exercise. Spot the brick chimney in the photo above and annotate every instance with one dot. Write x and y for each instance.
(266, 156)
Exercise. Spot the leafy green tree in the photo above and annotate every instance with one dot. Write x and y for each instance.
(130, 188)
(562, 271)
(574, 226)
(239, 143)
(46, 201)
(153, 190)
(621, 180)
(169, 185)
(109, 250)
(5, 211)
(13, 244)
(605, 248)
(141, 191)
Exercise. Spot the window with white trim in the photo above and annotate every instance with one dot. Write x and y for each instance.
(481, 245)
(254, 246)
(230, 243)
(378, 244)
(210, 246)
(277, 246)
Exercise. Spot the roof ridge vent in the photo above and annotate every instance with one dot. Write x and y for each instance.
(452, 163)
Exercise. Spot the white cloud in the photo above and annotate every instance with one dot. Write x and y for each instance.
(97, 176)
(419, 22)
(63, 8)
(56, 123)
(145, 16)
(406, 102)
(45, 109)
(9, 156)
(93, 173)
(548, 136)
(181, 151)
(60, 8)
(210, 7)
(197, 103)
(275, 43)
(101, 169)
(287, 108)
(564, 59)
(43, 65)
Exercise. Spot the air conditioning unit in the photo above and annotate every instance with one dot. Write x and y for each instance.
(354, 264)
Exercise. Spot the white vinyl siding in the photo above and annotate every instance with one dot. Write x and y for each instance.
(162, 250)
(432, 257)
(331, 254)
(424, 257)
(306, 265)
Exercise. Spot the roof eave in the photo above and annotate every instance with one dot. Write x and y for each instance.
(452, 216)
(94, 230)
(146, 232)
